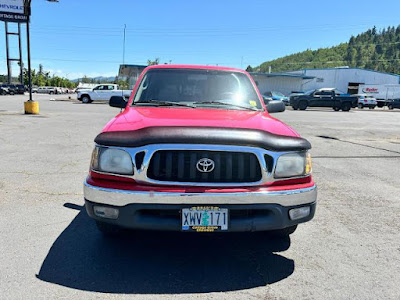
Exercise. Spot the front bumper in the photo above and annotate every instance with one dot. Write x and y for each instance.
(247, 217)
(249, 211)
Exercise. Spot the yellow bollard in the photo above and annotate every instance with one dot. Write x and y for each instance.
(31, 107)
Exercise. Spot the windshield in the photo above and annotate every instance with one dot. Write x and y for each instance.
(309, 92)
(200, 87)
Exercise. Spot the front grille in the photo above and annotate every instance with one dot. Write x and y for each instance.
(180, 166)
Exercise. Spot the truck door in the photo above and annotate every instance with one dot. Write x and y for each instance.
(111, 92)
(315, 100)
(327, 98)
(322, 99)
(99, 91)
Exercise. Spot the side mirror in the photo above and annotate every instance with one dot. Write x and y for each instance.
(276, 106)
(117, 101)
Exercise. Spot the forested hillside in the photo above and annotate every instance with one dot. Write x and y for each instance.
(373, 49)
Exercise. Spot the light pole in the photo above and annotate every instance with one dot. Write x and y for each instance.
(31, 107)
(27, 10)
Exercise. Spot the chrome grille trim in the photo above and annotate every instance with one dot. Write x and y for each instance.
(140, 175)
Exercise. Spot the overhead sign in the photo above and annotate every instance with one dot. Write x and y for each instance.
(12, 11)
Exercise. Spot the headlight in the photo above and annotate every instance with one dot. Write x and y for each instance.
(111, 160)
(293, 165)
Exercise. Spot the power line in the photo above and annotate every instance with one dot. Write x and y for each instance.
(215, 29)
(80, 30)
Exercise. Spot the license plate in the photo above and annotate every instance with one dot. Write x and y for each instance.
(205, 219)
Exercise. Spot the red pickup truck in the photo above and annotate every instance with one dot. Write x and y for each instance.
(195, 149)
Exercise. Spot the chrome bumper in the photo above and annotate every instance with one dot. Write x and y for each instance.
(123, 197)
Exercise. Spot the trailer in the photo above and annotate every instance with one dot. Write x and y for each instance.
(384, 93)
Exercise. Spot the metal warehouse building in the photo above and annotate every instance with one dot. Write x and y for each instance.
(344, 79)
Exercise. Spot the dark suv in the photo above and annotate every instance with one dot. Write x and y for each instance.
(20, 88)
(395, 103)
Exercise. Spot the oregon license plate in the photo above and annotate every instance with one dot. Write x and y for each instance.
(205, 219)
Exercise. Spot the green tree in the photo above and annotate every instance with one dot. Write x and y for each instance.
(85, 79)
(153, 62)
(249, 69)
(374, 49)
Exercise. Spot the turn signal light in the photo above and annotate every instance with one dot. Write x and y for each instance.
(106, 212)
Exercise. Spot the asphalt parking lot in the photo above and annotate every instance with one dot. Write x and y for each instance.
(51, 249)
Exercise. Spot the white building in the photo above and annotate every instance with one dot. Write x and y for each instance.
(344, 79)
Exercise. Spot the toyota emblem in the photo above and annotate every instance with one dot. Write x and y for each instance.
(205, 165)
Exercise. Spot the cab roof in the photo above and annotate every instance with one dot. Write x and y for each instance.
(195, 67)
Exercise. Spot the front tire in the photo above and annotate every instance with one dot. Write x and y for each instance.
(108, 229)
(390, 106)
(303, 105)
(86, 99)
(360, 105)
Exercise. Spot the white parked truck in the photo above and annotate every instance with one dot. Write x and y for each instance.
(102, 92)
(384, 93)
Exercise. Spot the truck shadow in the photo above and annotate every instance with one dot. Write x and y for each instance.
(162, 262)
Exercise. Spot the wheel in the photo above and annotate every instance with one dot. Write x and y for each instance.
(360, 105)
(336, 108)
(284, 232)
(303, 105)
(86, 99)
(108, 229)
(390, 106)
(294, 108)
(346, 106)
(372, 107)
(51, 93)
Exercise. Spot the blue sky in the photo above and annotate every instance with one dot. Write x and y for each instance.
(74, 38)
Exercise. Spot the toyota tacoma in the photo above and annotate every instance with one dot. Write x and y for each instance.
(195, 149)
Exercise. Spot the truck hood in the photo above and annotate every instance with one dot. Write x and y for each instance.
(134, 118)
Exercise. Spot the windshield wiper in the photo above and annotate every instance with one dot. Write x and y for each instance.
(226, 103)
(165, 103)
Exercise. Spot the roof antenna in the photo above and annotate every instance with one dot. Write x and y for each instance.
(123, 59)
